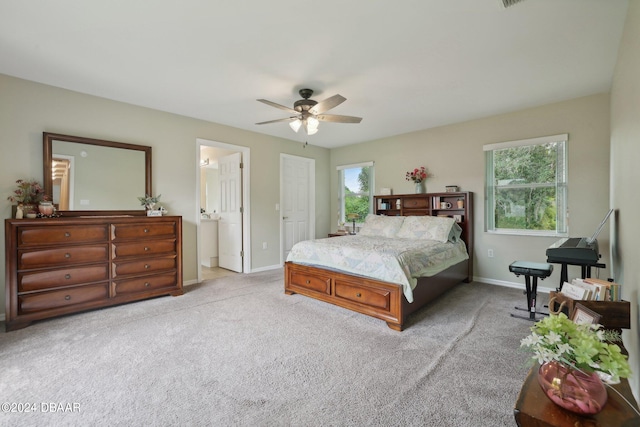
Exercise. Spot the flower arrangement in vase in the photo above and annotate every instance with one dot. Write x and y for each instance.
(418, 176)
(28, 194)
(575, 358)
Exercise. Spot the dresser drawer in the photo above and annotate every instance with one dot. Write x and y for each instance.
(57, 257)
(371, 297)
(42, 301)
(54, 235)
(141, 231)
(156, 247)
(144, 284)
(311, 282)
(143, 266)
(34, 281)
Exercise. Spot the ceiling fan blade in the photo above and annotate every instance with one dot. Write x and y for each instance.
(327, 104)
(282, 107)
(288, 119)
(338, 119)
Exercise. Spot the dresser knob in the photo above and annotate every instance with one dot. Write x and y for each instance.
(358, 294)
(146, 230)
(147, 266)
(67, 234)
(147, 284)
(67, 255)
(146, 248)
(67, 297)
(308, 281)
(67, 276)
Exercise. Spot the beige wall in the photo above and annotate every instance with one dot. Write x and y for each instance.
(625, 178)
(453, 154)
(27, 109)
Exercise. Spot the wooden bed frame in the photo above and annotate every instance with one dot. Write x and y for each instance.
(382, 300)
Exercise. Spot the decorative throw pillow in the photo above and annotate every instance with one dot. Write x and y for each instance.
(454, 234)
(426, 227)
(381, 226)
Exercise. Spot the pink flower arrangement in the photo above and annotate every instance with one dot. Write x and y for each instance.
(417, 175)
(27, 192)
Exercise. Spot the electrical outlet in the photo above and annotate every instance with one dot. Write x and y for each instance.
(490, 253)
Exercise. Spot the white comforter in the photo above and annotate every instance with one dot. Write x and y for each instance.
(393, 260)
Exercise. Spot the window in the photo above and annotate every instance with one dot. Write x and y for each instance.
(356, 186)
(526, 186)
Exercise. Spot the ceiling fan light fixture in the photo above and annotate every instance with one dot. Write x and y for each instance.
(311, 125)
(295, 125)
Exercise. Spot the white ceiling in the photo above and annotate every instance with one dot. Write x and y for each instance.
(403, 65)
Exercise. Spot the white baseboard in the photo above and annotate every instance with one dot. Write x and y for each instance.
(515, 285)
(267, 268)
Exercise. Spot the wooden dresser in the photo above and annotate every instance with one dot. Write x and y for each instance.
(65, 265)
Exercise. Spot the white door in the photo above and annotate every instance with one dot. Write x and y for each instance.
(230, 222)
(297, 200)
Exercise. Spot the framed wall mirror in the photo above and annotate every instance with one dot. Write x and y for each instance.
(85, 176)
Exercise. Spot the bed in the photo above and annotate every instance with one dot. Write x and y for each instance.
(382, 272)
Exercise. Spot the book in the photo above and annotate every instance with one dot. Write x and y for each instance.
(573, 291)
(591, 289)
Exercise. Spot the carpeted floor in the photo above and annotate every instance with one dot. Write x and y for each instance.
(237, 351)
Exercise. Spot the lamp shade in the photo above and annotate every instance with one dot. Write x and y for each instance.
(295, 125)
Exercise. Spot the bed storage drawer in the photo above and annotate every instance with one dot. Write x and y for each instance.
(310, 282)
(371, 297)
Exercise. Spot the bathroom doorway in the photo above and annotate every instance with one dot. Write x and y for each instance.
(223, 214)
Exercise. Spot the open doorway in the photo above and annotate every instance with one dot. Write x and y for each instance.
(222, 185)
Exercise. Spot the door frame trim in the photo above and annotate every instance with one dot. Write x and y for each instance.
(246, 198)
(311, 199)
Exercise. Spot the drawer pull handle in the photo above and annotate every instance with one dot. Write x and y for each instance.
(147, 266)
(146, 248)
(308, 282)
(67, 297)
(146, 230)
(67, 255)
(147, 284)
(67, 276)
(358, 294)
(67, 234)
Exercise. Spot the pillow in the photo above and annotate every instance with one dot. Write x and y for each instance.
(381, 226)
(454, 234)
(426, 227)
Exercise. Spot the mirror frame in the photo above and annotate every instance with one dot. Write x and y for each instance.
(47, 162)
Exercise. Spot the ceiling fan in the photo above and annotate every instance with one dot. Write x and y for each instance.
(307, 113)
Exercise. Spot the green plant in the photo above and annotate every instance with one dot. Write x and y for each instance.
(149, 201)
(28, 191)
(581, 346)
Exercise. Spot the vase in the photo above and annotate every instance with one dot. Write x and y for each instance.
(46, 208)
(574, 390)
(419, 188)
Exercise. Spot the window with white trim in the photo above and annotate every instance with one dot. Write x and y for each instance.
(356, 191)
(526, 186)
